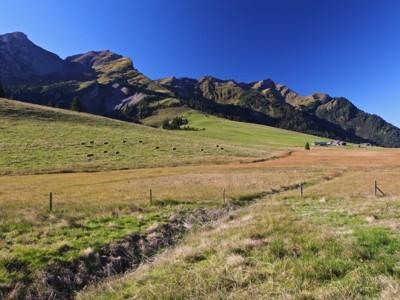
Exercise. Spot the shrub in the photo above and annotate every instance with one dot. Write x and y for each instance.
(175, 123)
(307, 146)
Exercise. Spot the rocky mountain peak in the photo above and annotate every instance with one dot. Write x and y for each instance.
(20, 58)
(263, 84)
(321, 97)
(94, 58)
(13, 37)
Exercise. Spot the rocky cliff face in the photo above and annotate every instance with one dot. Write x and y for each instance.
(109, 84)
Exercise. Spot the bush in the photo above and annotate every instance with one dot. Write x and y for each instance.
(307, 146)
(175, 123)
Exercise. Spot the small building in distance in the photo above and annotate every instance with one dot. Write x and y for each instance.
(329, 144)
(338, 143)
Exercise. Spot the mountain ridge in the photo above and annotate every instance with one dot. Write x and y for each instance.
(108, 84)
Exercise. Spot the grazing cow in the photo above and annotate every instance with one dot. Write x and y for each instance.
(90, 155)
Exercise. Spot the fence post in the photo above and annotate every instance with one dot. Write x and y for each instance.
(223, 196)
(301, 189)
(377, 189)
(51, 201)
(151, 196)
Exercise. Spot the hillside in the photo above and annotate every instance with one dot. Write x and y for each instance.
(38, 139)
(108, 84)
(267, 102)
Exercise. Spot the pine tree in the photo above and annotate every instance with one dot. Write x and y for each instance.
(2, 92)
(76, 104)
(307, 146)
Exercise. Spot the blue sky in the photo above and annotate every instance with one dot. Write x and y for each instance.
(346, 48)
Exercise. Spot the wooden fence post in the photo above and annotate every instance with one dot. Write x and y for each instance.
(377, 189)
(151, 196)
(223, 196)
(301, 189)
(51, 201)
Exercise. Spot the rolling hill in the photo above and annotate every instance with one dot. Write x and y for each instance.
(38, 139)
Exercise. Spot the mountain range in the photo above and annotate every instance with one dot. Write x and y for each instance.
(108, 84)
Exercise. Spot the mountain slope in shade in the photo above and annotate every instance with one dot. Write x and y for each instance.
(109, 84)
(21, 60)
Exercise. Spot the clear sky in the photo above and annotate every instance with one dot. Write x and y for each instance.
(346, 48)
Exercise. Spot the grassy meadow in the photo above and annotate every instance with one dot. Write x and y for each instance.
(339, 241)
(34, 139)
(243, 134)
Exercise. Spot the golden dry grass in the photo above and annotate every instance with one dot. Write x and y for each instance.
(337, 242)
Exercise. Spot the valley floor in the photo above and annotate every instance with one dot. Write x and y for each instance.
(337, 241)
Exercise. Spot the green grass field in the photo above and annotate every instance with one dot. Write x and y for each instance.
(34, 139)
(93, 209)
(223, 130)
